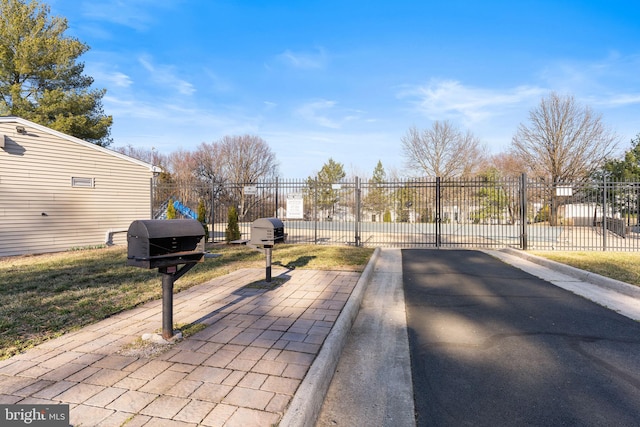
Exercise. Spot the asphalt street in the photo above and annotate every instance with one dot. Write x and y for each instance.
(493, 345)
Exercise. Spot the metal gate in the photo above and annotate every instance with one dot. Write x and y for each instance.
(483, 212)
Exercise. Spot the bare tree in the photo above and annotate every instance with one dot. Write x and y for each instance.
(209, 163)
(208, 175)
(563, 143)
(443, 151)
(564, 140)
(246, 160)
(181, 165)
(150, 156)
(507, 164)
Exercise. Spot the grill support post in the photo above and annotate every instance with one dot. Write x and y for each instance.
(169, 276)
(167, 305)
(267, 251)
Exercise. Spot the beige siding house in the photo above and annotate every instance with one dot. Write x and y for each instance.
(58, 192)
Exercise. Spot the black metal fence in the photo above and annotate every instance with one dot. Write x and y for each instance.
(424, 213)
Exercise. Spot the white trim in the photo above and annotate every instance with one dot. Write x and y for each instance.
(24, 122)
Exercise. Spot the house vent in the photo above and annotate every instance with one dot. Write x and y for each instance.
(82, 182)
(2, 140)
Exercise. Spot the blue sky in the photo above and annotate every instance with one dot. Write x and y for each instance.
(346, 79)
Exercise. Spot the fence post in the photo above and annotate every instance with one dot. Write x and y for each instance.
(276, 214)
(315, 211)
(635, 187)
(604, 212)
(213, 212)
(523, 212)
(358, 218)
(438, 206)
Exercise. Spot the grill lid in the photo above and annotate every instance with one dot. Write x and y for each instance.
(268, 223)
(162, 228)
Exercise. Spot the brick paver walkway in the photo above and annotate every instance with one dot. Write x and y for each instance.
(241, 370)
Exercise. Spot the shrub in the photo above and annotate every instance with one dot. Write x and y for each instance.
(233, 229)
(171, 210)
(544, 214)
(202, 217)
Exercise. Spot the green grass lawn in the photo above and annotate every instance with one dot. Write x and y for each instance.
(623, 266)
(44, 296)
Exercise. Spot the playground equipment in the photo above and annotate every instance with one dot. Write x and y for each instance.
(182, 209)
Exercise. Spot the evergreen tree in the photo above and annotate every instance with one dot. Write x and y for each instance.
(493, 199)
(626, 169)
(332, 172)
(171, 210)
(377, 198)
(202, 217)
(40, 78)
(233, 229)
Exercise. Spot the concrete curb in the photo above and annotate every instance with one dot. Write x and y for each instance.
(586, 276)
(307, 402)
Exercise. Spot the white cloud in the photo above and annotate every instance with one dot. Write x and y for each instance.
(217, 83)
(117, 79)
(608, 85)
(123, 108)
(450, 99)
(316, 112)
(304, 60)
(104, 74)
(611, 82)
(327, 114)
(166, 76)
(169, 126)
(135, 14)
(185, 88)
(625, 99)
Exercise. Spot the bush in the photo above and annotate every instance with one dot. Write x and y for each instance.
(171, 210)
(202, 218)
(233, 229)
(543, 215)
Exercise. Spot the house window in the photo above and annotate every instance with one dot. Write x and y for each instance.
(82, 182)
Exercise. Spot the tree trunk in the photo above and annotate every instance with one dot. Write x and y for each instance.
(553, 212)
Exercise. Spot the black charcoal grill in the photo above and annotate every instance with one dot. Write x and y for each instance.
(166, 245)
(265, 233)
